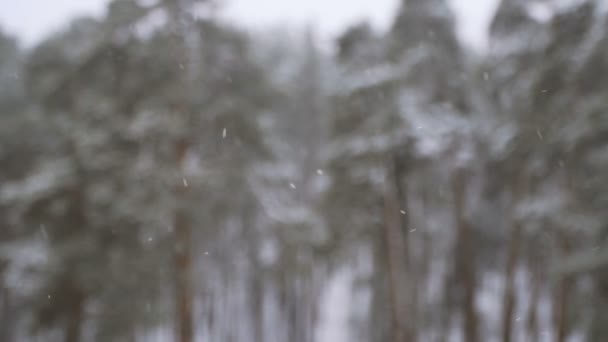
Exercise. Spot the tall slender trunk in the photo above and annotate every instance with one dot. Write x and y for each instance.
(182, 230)
(77, 220)
(509, 291)
(291, 308)
(598, 330)
(561, 309)
(255, 281)
(379, 323)
(256, 294)
(411, 296)
(465, 258)
(6, 320)
(395, 250)
(447, 309)
(183, 259)
(445, 315)
(427, 317)
(317, 279)
(532, 315)
(561, 297)
(74, 317)
(513, 251)
(183, 267)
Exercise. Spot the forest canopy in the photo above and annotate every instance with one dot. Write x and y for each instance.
(185, 180)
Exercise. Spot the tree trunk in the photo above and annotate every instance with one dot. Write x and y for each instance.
(560, 302)
(77, 220)
(183, 267)
(564, 283)
(182, 231)
(509, 293)
(183, 260)
(561, 297)
(380, 323)
(447, 309)
(6, 320)
(255, 281)
(532, 318)
(411, 296)
(465, 258)
(74, 317)
(598, 330)
(395, 250)
(291, 308)
(257, 306)
(513, 251)
(424, 269)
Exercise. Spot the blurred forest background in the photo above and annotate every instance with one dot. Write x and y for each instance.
(167, 177)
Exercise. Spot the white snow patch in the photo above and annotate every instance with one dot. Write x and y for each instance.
(335, 309)
(146, 27)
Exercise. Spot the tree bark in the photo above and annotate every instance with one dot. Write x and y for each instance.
(411, 296)
(532, 318)
(561, 297)
(564, 283)
(395, 250)
(74, 317)
(465, 258)
(255, 281)
(509, 293)
(513, 251)
(380, 323)
(183, 259)
(5, 314)
(182, 231)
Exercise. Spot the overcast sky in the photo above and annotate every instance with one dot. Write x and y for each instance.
(32, 20)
